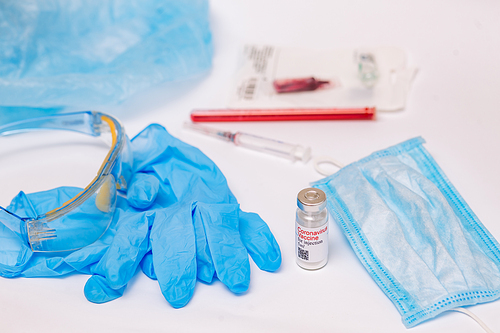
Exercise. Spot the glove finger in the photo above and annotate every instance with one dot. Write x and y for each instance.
(120, 261)
(228, 252)
(98, 291)
(174, 254)
(260, 242)
(142, 190)
(147, 266)
(204, 262)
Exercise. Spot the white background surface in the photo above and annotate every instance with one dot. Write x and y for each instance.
(453, 104)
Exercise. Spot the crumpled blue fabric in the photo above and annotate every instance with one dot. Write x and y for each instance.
(414, 233)
(199, 233)
(112, 260)
(179, 221)
(92, 53)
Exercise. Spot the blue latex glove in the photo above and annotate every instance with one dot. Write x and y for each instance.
(199, 230)
(178, 194)
(112, 260)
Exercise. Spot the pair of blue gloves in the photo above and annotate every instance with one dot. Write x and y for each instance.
(179, 222)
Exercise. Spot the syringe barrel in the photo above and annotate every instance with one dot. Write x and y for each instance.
(274, 147)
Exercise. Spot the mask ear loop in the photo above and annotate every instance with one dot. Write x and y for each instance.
(326, 160)
(476, 318)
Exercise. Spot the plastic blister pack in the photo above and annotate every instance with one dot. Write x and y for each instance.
(352, 78)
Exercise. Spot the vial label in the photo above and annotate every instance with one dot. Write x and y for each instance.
(312, 243)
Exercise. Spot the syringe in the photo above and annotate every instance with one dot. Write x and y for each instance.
(275, 147)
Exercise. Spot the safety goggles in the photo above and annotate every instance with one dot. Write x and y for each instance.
(84, 218)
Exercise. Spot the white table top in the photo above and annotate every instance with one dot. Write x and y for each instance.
(453, 104)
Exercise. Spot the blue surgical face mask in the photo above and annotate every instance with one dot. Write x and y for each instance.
(413, 232)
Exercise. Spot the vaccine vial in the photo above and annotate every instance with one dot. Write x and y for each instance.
(311, 229)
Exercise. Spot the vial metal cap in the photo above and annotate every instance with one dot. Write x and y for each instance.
(311, 200)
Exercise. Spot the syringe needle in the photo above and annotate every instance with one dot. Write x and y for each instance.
(223, 135)
(275, 147)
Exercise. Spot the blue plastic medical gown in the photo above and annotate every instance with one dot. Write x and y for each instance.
(179, 222)
(92, 54)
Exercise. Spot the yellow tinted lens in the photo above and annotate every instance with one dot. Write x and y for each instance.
(81, 226)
